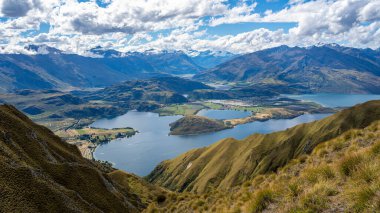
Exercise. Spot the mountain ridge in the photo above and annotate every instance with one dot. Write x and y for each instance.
(328, 68)
(230, 162)
(41, 173)
(50, 68)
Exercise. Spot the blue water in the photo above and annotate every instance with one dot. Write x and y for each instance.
(223, 114)
(141, 153)
(336, 100)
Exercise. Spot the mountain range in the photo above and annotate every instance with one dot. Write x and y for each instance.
(326, 68)
(323, 68)
(50, 68)
(209, 59)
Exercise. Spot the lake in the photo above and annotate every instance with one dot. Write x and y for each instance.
(141, 153)
(336, 100)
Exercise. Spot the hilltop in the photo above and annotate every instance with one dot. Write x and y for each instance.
(147, 94)
(327, 68)
(41, 173)
(231, 162)
(193, 124)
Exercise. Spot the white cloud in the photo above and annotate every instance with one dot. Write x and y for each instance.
(240, 13)
(135, 25)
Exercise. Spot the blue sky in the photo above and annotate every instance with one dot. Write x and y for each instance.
(238, 26)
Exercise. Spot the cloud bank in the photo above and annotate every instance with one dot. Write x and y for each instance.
(76, 26)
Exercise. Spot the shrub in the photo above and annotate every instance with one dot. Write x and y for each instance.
(323, 152)
(349, 164)
(323, 172)
(261, 200)
(371, 135)
(294, 189)
(247, 184)
(161, 198)
(317, 198)
(368, 172)
(314, 202)
(338, 145)
(258, 180)
(362, 197)
(376, 149)
(302, 158)
(200, 203)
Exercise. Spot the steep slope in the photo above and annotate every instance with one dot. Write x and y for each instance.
(328, 68)
(340, 175)
(231, 162)
(41, 173)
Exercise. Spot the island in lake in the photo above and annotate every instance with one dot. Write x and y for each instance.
(194, 124)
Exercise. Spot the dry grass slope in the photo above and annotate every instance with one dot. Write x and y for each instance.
(340, 175)
(41, 173)
(231, 162)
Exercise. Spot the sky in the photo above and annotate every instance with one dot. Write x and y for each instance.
(237, 26)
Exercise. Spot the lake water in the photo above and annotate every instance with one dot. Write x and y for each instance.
(141, 153)
(336, 100)
(223, 114)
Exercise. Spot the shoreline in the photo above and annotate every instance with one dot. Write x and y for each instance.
(88, 139)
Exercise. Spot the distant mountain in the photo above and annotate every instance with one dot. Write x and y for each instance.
(171, 62)
(209, 59)
(50, 68)
(176, 62)
(327, 68)
(47, 70)
(147, 94)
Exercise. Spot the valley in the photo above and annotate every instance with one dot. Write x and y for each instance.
(191, 106)
(172, 98)
(299, 168)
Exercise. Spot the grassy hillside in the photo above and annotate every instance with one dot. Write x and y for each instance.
(328, 165)
(231, 162)
(340, 175)
(41, 173)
